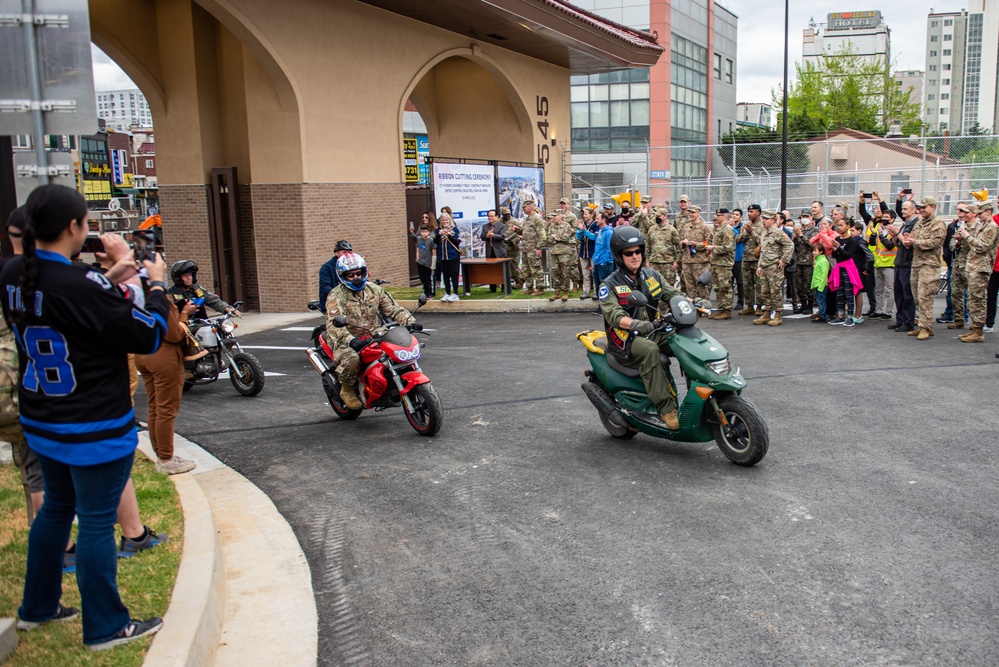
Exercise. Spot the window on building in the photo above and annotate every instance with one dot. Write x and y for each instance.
(946, 67)
(728, 70)
(945, 96)
(934, 38)
(948, 22)
(929, 111)
(931, 96)
(944, 82)
(933, 82)
(149, 164)
(933, 68)
(718, 66)
(933, 54)
(934, 24)
(944, 111)
(947, 52)
(948, 38)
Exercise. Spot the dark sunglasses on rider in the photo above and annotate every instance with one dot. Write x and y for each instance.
(356, 273)
(630, 253)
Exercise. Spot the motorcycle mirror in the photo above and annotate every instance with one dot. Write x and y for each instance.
(422, 300)
(237, 305)
(314, 305)
(339, 321)
(704, 279)
(637, 299)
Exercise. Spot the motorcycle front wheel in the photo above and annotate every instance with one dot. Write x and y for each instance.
(427, 415)
(247, 367)
(746, 439)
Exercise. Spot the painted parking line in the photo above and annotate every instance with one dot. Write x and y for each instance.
(298, 329)
(273, 347)
(225, 374)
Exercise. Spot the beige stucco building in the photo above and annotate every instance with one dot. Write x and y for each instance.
(305, 99)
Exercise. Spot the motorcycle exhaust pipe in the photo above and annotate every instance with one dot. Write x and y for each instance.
(316, 361)
(604, 404)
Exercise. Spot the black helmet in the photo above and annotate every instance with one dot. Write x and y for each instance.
(623, 237)
(181, 267)
(343, 245)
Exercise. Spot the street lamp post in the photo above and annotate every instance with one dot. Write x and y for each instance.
(783, 141)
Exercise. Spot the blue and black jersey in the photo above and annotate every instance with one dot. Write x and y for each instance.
(74, 395)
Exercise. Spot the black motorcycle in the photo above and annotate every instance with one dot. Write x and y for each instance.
(215, 335)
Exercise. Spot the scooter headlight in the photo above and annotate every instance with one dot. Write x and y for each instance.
(228, 326)
(720, 367)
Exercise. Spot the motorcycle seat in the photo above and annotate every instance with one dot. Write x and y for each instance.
(613, 362)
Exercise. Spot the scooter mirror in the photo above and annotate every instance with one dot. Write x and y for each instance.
(422, 300)
(704, 279)
(637, 299)
(339, 321)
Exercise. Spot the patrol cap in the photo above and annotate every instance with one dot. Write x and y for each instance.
(968, 208)
(685, 198)
(928, 201)
(722, 211)
(694, 209)
(646, 199)
(551, 215)
(527, 201)
(768, 214)
(504, 210)
(564, 200)
(984, 206)
(754, 207)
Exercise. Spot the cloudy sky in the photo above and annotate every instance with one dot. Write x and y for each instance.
(761, 38)
(761, 22)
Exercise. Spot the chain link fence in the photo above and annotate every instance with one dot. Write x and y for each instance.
(831, 169)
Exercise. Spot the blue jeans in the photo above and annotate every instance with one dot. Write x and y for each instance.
(92, 493)
(600, 273)
(844, 294)
(820, 300)
(949, 310)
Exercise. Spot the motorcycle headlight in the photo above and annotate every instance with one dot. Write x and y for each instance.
(720, 367)
(228, 326)
(408, 355)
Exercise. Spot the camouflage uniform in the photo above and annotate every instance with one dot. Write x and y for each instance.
(561, 252)
(694, 259)
(982, 246)
(360, 308)
(774, 247)
(750, 235)
(663, 250)
(959, 273)
(803, 268)
(574, 272)
(644, 220)
(722, 261)
(512, 241)
(534, 238)
(928, 237)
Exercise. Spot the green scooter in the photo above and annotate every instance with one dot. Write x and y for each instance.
(712, 408)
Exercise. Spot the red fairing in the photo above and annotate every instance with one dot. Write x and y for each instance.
(375, 382)
(371, 352)
(325, 346)
(412, 379)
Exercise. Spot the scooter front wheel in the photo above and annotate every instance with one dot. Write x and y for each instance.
(622, 432)
(745, 439)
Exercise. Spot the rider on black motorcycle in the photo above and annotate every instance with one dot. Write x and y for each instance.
(359, 302)
(186, 289)
(626, 324)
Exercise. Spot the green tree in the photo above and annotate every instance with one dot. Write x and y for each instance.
(845, 89)
(759, 148)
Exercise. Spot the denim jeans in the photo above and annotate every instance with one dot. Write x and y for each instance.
(600, 273)
(844, 294)
(820, 300)
(92, 493)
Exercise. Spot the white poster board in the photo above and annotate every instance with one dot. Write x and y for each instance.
(470, 191)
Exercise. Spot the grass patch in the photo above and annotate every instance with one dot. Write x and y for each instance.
(145, 581)
(478, 292)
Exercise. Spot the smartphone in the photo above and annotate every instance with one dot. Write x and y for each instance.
(868, 195)
(143, 255)
(92, 244)
(907, 191)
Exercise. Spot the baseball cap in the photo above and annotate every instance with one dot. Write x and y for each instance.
(527, 201)
(563, 200)
(610, 206)
(768, 214)
(646, 199)
(504, 210)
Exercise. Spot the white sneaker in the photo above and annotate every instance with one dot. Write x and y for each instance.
(447, 297)
(987, 329)
(455, 297)
(175, 466)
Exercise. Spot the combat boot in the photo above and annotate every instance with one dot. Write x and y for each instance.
(958, 323)
(554, 296)
(671, 420)
(776, 321)
(758, 311)
(763, 319)
(924, 334)
(974, 336)
(915, 331)
(565, 295)
(723, 315)
(748, 310)
(349, 397)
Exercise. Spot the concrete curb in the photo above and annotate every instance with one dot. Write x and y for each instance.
(542, 305)
(8, 637)
(243, 594)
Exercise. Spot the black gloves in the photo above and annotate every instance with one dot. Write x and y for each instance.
(416, 326)
(357, 343)
(643, 327)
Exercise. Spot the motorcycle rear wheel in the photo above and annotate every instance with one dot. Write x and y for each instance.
(341, 410)
(622, 432)
(746, 439)
(246, 365)
(427, 416)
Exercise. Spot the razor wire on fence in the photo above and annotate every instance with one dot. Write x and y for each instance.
(833, 169)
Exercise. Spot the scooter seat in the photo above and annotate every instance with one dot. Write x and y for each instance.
(613, 362)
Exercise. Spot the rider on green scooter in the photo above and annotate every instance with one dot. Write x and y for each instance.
(625, 325)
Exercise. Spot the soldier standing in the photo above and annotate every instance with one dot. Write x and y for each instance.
(967, 218)
(926, 240)
(512, 242)
(644, 219)
(750, 235)
(570, 217)
(775, 253)
(694, 237)
(533, 238)
(663, 247)
(722, 248)
(683, 217)
(982, 243)
(561, 254)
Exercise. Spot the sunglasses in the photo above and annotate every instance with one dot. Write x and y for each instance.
(356, 273)
(630, 253)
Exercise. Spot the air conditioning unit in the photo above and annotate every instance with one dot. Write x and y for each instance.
(839, 152)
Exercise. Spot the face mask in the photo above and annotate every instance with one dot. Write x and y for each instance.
(357, 282)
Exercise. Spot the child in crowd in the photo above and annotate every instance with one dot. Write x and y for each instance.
(425, 259)
(820, 282)
(845, 278)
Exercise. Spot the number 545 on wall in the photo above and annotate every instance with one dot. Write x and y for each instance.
(543, 153)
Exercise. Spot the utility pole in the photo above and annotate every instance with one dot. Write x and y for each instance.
(783, 141)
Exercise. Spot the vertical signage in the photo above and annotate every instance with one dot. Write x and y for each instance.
(422, 153)
(409, 160)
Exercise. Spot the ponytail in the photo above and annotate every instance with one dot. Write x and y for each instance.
(49, 210)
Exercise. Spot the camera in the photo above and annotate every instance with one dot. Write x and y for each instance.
(92, 244)
(868, 195)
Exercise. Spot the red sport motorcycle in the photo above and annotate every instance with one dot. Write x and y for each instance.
(390, 373)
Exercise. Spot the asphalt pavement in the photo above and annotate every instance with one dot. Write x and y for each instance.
(524, 535)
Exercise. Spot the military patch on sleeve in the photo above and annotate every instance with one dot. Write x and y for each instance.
(622, 289)
(603, 293)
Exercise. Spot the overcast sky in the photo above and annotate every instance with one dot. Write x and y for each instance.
(761, 38)
(761, 22)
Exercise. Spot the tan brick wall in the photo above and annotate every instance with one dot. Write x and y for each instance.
(186, 228)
